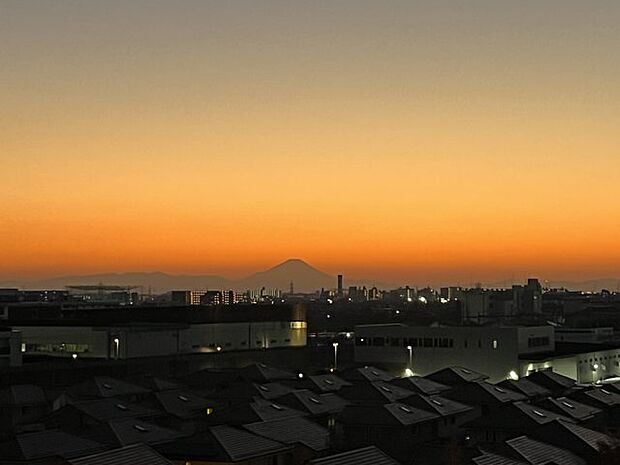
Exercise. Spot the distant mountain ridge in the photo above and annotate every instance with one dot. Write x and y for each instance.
(304, 277)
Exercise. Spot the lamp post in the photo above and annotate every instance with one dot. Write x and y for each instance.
(335, 345)
(410, 349)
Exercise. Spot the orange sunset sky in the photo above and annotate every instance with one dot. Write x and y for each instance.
(437, 141)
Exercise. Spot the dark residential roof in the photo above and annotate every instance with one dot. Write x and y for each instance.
(602, 396)
(22, 394)
(525, 387)
(539, 415)
(440, 405)
(551, 380)
(271, 390)
(314, 404)
(489, 458)
(104, 410)
(593, 438)
(252, 412)
(292, 431)
(517, 417)
(222, 444)
(365, 456)
(570, 408)
(183, 404)
(396, 414)
(156, 384)
(501, 394)
(329, 382)
(590, 438)
(240, 445)
(49, 443)
(421, 385)
(133, 431)
(476, 393)
(540, 453)
(138, 454)
(376, 391)
(456, 375)
(261, 373)
(104, 386)
(245, 390)
(407, 414)
(366, 373)
(614, 387)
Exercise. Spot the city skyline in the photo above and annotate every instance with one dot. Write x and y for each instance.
(299, 274)
(408, 142)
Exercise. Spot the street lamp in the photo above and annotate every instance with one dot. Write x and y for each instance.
(410, 349)
(335, 345)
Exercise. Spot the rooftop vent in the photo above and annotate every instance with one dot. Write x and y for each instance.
(121, 407)
(277, 407)
(405, 409)
(539, 413)
(315, 400)
(566, 404)
(140, 428)
(183, 398)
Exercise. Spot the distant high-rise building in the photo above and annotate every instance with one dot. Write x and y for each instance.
(340, 289)
(374, 294)
(528, 298)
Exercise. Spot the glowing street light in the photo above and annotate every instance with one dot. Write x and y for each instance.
(117, 344)
(335, 346)
(410, 349)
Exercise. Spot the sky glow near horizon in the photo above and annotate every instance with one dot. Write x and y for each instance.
(431, 141)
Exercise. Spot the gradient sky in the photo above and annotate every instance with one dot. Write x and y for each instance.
(415, 141)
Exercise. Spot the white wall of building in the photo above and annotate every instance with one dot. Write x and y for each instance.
(586, 367)
(493, 351)
(146, 341)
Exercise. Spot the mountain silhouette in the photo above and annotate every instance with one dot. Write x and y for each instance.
(158, 282)
(304, 277)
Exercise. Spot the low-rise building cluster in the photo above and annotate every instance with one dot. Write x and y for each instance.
(260, 414)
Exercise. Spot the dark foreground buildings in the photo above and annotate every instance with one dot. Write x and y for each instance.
(260, 414)
(254, 384)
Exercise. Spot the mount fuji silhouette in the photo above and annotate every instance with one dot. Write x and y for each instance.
(305, 278)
